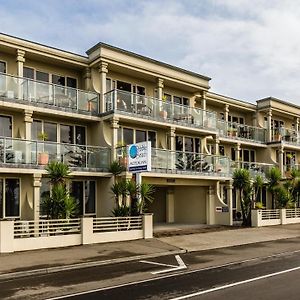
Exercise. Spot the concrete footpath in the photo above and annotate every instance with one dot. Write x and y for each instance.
(36, 262)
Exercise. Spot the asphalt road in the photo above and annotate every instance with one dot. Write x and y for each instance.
(211, 271)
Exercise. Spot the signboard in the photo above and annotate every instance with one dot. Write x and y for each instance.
(139, 157)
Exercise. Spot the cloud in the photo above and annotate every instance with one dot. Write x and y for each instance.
(249, 48)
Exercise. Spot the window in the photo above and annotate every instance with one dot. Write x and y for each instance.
(44, 192)
(28, 73)
(152, 138)
(67, 134)
(37, 128)
(236, 119)
(9, 197)
(71, 82)
(5, 126)
(187, 144)
(84, 193)
(2, 67)
(140, 136)
(128, 136)
(222, 150)
(59, 80)
(80, 135)
(123, 86)
(49, 128)
(42, 76)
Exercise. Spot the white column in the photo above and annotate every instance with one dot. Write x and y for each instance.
(87, 79)
(297, 129)
(172, 137)
(170, 206)
(6, 236)
(103, 71)
(37, 183)
(269, 125)
(226, 112)
(203, 102)
(238, 155)
(28, 122)
(210, 206)
(229, 189)
(280, 162)
(20, 61)
(114, 137)
(160, 86)
(217, 143)
(148, 226)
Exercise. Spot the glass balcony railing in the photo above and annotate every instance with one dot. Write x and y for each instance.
(288, 136)
(159, 110)
(241, 131)
(190, 163)
(37, 153)
(255, 168)
(48, 95)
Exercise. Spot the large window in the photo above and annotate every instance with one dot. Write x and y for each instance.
(5, 126)
(84, 193)
(188, 144)
(49, 128)
(130, 135)
(9, 197)
(73, 134)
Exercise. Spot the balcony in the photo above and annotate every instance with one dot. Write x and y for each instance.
(255, 168)
(48, 95)
(158, 110)
(190, 163)
(288, 136)
(244, 132)
(35, 154)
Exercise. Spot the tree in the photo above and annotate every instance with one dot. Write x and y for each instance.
(273, 178)
(146, 192)
(242, 182)
(59, 204)
(116, 169)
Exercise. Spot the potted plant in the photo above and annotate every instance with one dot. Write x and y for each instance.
(163, 113)
(277, 136)
(43, 156)
(232, 132)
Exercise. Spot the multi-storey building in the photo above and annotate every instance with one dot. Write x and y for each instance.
(90, 105)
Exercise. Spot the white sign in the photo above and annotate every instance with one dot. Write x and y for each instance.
(139, 157)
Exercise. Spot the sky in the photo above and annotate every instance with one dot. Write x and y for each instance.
(250, 49)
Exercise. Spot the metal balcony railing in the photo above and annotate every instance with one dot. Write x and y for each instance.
(241, 131)
(16, 152)
(159, 110)
(288, 136)
(47, 94)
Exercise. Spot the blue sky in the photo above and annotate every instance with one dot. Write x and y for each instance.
(250, 49)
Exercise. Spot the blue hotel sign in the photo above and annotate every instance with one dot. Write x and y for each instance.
(139, 157)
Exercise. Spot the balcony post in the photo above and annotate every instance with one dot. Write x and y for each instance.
(237, 155)
(160, 86)
(281, 153)
(210, 206)
(229, 189)
(269, 125)
(172, 140)
(103, 71)
(114, 138)
(217, 143)
(28, 122)
(20, 63)
(297, 130)
(37, 183)
(87, 79)
(226, 112)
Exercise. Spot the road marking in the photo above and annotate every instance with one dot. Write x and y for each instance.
(181, 265)
(173, 275)
(234, 284)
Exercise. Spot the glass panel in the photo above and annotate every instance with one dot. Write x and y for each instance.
(51, 130)
(80, 135)
(2, 67)
(189, 144)
(42, 76)
(90, 197)
(36, 129)
(28, 73)
(179, 143)
(140, 90)
(77, 193)
(71, 82)
(177, 100)
(5, 126)
(197, 145)
(108, 84)
(152, 138)
(12, 197)
(123, 86)
(60, 80)
(140, 136)
(44, 192)
(67, 134)
(128, 136)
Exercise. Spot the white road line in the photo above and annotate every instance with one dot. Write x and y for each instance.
(156, 263)
(173, 275)
(234, 284)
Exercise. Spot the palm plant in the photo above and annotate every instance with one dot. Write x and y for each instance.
(58, 172)
(258, 185)
(116, 169)
(146, 192)
(242, 182)
(273, 177)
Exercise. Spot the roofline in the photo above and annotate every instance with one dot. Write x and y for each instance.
(43, 45)
(101, 44)
(279, 100)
